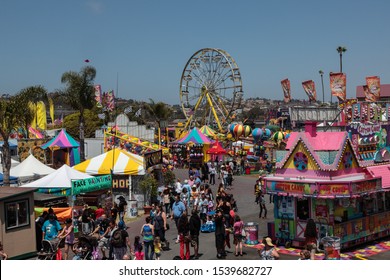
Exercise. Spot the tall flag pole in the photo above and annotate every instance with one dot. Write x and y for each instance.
(310, 89)
(338, 85)
(286, 90)
(374, 87)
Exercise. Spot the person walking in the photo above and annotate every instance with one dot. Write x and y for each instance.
(195, 224)
(212, 171)
(68, 234)
(50, 228)
(178, 209)
(262, 207)
(184, 236)
(147, 232)
(310, 233)
(220, 234)
(120, 241)
(160, 225)
(238, 226)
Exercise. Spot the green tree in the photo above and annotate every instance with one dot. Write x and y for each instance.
(10, 118)
(79, 94)
(32, 94)
(92, 122)
(159, 112)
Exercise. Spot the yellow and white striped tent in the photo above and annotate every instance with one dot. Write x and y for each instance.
(119, 161)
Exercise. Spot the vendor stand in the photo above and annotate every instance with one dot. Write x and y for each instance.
(319, 176)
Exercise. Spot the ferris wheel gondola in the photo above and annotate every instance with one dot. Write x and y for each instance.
(210, 89)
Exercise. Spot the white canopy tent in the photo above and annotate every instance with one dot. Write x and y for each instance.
(29, 169)
(60, 178)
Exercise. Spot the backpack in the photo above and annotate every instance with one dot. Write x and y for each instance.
(117, 238)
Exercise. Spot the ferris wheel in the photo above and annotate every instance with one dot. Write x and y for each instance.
(210, 89)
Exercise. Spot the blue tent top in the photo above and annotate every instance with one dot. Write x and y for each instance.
(12, 179)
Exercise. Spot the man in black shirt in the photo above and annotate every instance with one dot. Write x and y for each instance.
(220, 234)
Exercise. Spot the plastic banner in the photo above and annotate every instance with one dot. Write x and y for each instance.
(338, 85)
(373, 85)
(286, 90)
(310, 90)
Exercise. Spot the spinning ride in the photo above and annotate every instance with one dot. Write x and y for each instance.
(210, 89)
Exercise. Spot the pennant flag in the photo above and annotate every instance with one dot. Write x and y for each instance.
(373, 84)
(338, 84)
(33, 107)
(109, 102)
(101, 116)
(51, 109)
(286, 90)
(128, 110)
(310, 90)
(98, 96)
(368, 95)
(138, 113)
(41, 115)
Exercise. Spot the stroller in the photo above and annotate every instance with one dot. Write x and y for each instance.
(209, 226)
(50, 248)
(86, 248)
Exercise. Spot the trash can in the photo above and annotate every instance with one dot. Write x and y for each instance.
(332, 247)
(133, 208)
(251, 233)
(247, 170)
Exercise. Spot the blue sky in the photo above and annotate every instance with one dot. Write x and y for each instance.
(147, 43)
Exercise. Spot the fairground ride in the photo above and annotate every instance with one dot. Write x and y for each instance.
(210, 89)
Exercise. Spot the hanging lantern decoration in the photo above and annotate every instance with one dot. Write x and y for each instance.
(278, 136)
(267, 133)
(238, 130)
(231, 128)
(247, 130)
(257, 133)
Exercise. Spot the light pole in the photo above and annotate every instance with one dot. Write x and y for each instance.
(341, 50)
(322, 83)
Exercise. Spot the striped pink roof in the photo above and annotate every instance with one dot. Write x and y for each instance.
(323, 141)
(381, 171)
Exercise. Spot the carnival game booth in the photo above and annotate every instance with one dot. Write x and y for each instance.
(64, 149)
(318, 176)
(127, 170)
(196, 144)
(216, 151)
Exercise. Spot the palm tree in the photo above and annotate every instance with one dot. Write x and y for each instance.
(79, 94)
(27, 95)
(341, 50)
(11, 113)
(159, 112)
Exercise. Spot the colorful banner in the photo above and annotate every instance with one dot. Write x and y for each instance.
(368, 95)
(51, 110)
(108, 98)
(98, 96)
(310, 90)
(286, 90)
(41, 115)
(374, 86)
(33, 108)
(338, 85)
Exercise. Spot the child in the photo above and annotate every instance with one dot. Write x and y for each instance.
(137, 243)
(157, 247)
(139, 255)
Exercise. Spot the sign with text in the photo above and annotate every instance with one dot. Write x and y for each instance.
(91, 184)
(153, 158)
(290, 187)
(366, 186)
(120, 182)
(333, 189)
